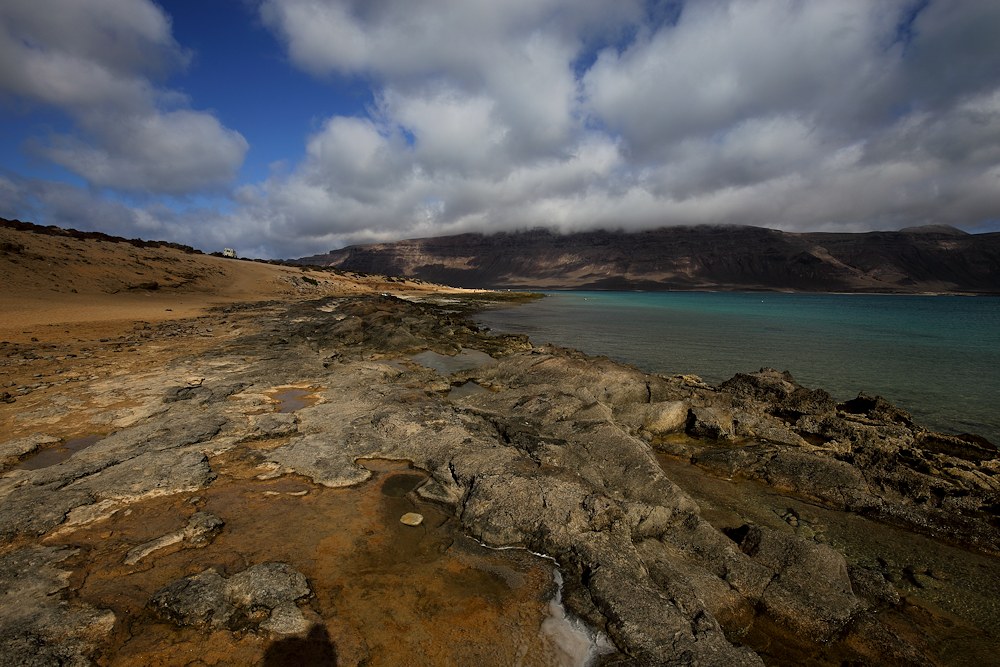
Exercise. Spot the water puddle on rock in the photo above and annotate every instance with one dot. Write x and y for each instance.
(54, 454)
(950, 596)
(384, 593)
(465, 360)
(469, 388)
(290, 399)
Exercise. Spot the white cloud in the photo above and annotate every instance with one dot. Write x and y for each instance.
(350, 151)
(171, 152)
(460, 39)
(94, 59)
(514, 57)
(450, 130)
(725, 62)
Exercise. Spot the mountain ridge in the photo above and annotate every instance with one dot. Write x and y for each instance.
(926, 259)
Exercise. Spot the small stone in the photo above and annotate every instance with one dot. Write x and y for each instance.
(412, 519)
(202, 527)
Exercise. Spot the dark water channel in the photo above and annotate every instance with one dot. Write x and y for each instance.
(446, 365)
(469, 388)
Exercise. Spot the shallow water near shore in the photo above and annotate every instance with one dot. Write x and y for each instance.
(382, 592)
(934, 356)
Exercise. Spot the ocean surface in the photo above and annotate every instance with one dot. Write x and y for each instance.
(937, 357)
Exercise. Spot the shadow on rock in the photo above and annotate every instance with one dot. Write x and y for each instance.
(314, 649)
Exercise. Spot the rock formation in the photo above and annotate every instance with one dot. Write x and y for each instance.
(574, 457)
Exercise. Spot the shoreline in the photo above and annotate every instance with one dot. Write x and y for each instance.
(557, 455)
(838, 344)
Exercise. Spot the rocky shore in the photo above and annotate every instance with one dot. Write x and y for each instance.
(227, 489)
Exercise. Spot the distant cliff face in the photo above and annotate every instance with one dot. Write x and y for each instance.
(921, 259)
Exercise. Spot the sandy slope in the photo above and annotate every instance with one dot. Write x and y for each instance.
(100, 286)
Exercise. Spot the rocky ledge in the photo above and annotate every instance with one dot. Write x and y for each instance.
(742, 524)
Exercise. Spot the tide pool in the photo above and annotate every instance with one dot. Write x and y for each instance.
(937, 357)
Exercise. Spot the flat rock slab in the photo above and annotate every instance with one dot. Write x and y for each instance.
(201, 528)
(37, 625)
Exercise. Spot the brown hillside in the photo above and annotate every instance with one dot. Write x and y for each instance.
(52, 276)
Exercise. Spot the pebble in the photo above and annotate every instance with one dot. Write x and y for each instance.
(412, 519)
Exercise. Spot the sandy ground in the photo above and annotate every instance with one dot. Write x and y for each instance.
(58, 288)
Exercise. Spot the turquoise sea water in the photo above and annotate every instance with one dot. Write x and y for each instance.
(936, 356)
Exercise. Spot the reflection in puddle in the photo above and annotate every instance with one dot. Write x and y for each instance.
(294, 398)
(469, 388)
(400, 484)
(50, 456)
(445, 365)
(384, 593)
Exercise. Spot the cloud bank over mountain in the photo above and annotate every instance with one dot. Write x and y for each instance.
(479, 115)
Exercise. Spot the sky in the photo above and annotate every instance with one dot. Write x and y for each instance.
(286, 128)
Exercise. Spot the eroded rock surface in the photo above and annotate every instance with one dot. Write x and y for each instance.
(262, 596)
(864, 456)
(560, 455)
(38, 625)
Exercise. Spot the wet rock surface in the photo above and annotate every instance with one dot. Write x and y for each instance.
(262, 596)
(597, 465)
